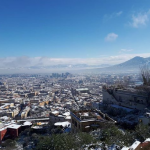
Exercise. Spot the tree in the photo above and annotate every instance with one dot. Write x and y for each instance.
(64, 141)
(145, 88)
(145, 74)
(119, 84)
(112, 135)
(9, 144)
(142, 132)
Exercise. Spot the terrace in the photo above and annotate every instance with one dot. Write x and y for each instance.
(88, 115)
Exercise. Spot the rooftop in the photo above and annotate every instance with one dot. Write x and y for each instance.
(88, 115)
(82, 89)
(14, 126)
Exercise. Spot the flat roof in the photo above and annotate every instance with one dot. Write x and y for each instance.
(82, 89)
(135, 145)
(14, 126)
(64, 124)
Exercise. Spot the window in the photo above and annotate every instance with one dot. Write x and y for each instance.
(135, 98)
(120, 98)
(75, 123)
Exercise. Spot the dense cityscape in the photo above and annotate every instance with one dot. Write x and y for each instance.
(43, 105)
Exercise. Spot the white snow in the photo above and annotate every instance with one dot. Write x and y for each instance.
(64, 124)
(125, 148)
(135, 145)
(66, 114)
(14, 126)
(68, 117)
(147, 140)
(27, 123)
(55, 112)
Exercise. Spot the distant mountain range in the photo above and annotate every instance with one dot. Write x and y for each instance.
(132, 65)
(135, 62)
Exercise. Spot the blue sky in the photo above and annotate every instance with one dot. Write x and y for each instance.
(73, 31)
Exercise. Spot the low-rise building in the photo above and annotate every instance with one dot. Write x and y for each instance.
(87, 120)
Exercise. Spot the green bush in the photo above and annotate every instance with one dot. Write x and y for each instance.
(64, 141)
(9, 143)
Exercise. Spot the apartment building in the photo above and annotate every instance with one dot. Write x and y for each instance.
(130, 98)
(87, 120)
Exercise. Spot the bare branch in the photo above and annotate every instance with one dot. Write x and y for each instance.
(145, 74)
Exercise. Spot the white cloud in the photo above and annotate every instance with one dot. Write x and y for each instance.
(113, 15)
(111, 37)
(25, 63)
(119, 13)
(140, 19)
(126, 50)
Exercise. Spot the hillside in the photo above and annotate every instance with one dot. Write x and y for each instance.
(132, 65)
